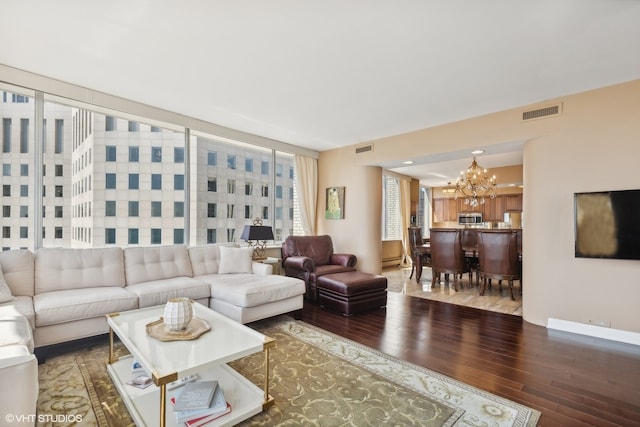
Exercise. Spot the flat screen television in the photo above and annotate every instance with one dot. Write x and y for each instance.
(607, 224)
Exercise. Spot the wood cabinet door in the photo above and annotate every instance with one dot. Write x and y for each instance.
(439, 209)
(498, 211)
(494, 209)
(452, 214)
(467, 208)
(445, 209)
(513, 202)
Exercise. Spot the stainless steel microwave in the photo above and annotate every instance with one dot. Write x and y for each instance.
(470, 218)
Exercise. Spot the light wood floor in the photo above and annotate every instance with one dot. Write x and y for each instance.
(496, 299)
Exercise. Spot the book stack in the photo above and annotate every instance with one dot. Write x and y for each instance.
(199, 402)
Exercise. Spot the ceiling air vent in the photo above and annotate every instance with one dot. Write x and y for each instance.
(364, 149)
(550, 111)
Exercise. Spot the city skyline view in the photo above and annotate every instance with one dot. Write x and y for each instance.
(110, 180)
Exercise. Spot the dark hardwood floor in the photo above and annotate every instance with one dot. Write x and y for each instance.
(573, 380)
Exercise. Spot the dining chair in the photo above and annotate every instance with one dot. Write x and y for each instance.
(469, 241)
(447, 255)
(498, 257)
(420, 255)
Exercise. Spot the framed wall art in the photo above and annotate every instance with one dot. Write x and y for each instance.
(334, 208)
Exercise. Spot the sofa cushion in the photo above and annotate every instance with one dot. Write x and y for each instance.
(206, 259)
(250, 290)
(321, 270)
(15, 329)
(143, 264)
(65, 268)
(82, 303)
(156, 292)
(19, 306)
(5, 290)
(17, 268)
(10, 356)
(235, 260)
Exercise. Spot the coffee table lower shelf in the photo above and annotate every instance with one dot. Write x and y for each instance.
(246, 399)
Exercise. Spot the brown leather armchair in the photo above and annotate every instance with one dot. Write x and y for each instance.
(309, 257)
(498, 257)
(447, 255)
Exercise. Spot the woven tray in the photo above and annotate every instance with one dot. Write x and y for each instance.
(159, 330)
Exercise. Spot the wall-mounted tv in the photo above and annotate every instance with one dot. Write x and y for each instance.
(607, 224)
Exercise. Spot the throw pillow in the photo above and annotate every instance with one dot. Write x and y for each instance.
(235, 260)
(5, 290)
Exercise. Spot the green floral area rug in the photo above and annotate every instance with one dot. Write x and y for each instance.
(316, 379)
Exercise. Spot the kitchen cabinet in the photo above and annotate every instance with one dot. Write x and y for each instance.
(452, 211)
(445, 209)
(438, 210)
(513, 203)
(493, 210)
(465, 208)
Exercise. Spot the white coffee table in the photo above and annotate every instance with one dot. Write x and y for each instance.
(167, 361)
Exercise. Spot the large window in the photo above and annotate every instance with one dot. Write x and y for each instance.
(111, 180)
(392, 212)
(391, 223)
(18, 148)
(133, 181)
(423, 218)
(283, 224)
(234, 203)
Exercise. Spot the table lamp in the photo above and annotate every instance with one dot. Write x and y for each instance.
(256, 236)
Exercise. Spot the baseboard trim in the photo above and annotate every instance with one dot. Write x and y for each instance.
(594, 331)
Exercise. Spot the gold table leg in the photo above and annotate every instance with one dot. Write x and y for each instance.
(111, 358)
(163, 404)
(162, 383)
(268, 399)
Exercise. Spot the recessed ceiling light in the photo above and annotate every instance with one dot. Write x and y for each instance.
(477, 152)
(408, 162)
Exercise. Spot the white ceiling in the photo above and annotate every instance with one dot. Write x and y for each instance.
(330, 73)
(439, 170)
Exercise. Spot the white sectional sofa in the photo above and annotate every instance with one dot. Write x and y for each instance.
(243, 290)
(57, 294)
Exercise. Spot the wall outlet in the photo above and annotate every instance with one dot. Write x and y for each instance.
(602, 323)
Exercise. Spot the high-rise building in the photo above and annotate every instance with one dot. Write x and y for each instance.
(109, 180)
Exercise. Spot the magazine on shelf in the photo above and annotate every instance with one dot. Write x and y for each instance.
(197, 417)
(197, 422)
(195, 395)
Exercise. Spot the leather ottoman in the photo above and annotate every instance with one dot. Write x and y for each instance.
(352, 292)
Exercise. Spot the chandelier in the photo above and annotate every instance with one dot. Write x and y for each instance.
(475, 184)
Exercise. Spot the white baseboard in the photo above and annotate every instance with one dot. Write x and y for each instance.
(594, 331)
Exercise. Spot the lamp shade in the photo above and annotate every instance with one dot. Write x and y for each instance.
(256, 232)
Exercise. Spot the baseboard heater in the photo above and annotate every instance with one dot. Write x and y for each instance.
(594, 331)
